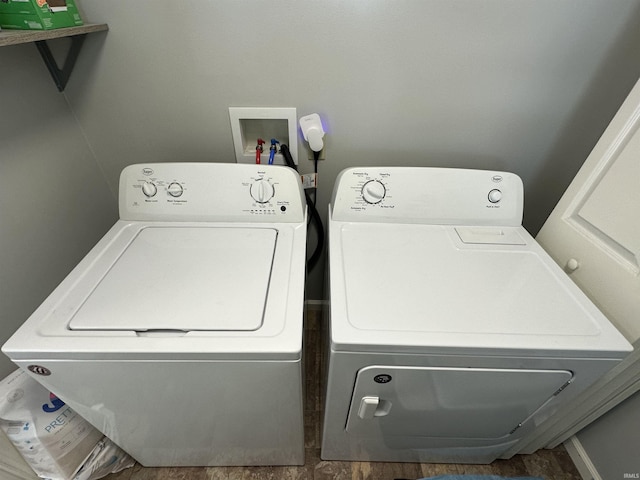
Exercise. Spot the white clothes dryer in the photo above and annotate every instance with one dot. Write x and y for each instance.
(452, 334)
(179, 335)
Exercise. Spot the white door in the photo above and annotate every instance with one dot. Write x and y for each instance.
(594, 234)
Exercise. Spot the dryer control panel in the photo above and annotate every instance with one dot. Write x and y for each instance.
(438, 196)
(211, 192)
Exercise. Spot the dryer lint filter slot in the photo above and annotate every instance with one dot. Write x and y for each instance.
(490, 235)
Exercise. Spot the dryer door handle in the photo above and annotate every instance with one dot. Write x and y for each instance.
(368, 407)
(373, 407)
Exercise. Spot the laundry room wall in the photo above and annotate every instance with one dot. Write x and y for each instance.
(54, 201)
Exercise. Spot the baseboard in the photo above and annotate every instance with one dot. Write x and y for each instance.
(581, 460)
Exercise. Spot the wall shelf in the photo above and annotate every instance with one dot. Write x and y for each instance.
(40, 37)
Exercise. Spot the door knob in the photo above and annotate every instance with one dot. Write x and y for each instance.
(572, 265)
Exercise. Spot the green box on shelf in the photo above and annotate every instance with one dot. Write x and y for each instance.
(38, 14)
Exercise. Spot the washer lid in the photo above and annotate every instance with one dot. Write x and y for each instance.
(184, 278)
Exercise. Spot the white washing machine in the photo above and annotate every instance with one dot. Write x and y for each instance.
(180, 334)
(452, 333)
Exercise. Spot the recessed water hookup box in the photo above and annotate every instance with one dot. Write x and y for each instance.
(248, 124)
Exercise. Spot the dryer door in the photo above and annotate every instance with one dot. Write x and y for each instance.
(440, 402)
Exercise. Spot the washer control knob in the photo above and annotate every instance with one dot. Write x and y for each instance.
(495, 195)
(149, 189)
(373, 191)
(262, 191)
(175, 189)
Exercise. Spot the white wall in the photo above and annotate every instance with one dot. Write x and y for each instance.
(526, 86)
(54, 201)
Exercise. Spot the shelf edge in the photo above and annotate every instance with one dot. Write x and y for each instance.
(17, 37)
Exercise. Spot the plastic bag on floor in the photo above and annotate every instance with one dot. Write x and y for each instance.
(55, 441)
(105, 458)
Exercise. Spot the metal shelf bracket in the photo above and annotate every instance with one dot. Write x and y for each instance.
(61, 76)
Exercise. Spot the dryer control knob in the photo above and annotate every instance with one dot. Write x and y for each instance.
(262, 191)
(373, 191)
(175, 189)
(149, 189)
(495, 195)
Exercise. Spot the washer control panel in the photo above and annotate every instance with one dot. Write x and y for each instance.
(443, 196)
(211, 192)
